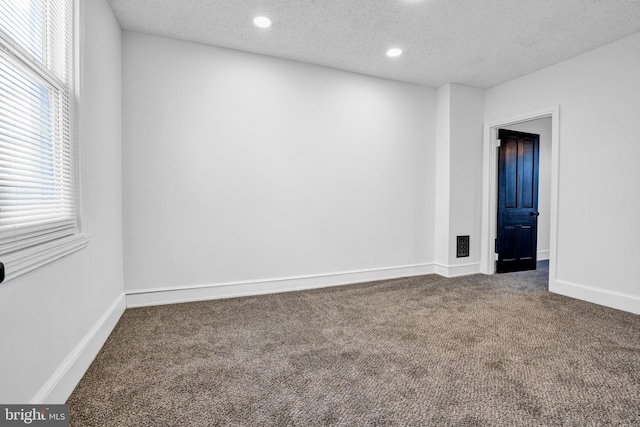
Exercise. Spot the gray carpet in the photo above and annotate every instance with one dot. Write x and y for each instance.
(427, 350)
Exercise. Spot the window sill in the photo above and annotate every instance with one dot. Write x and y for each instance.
(22, 262)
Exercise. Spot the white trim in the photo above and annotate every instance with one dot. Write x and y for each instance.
(24, 261)
(543, 255)
(457, 270)
(60, 385)
(617, 300)
(489, 187)
(80, 127)
(173, 295)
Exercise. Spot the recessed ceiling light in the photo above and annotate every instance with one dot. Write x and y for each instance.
(262, 22)
(394, 52)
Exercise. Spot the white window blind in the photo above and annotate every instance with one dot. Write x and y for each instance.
(38, 191)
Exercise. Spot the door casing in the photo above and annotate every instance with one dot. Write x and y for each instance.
(490, 188)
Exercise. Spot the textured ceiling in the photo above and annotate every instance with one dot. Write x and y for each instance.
(479, 43)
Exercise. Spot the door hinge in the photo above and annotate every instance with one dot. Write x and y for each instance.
(496, 246)
(498, 143)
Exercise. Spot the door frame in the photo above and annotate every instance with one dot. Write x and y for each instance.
(490, 187)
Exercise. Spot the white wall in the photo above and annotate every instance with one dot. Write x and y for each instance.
(460, 113)
(443, 176)
(467, 113)
(51, 316)
(541, 127)
(240, 167)
(598, 228)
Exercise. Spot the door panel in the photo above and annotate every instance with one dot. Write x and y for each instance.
(511, 169)
(527, 242)
(508, 250)
(517, 201)
(527, 175)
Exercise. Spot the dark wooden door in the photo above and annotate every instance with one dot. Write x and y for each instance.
(517, 201)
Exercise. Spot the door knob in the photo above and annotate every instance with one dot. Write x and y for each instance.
(534, 213)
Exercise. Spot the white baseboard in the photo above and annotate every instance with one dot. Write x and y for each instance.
(64, 380)
(617, 300)
(543, 255)
(457, 270)
(158, 296)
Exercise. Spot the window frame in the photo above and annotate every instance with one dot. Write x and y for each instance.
(23, 260)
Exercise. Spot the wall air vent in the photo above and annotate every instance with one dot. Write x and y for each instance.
(462, 246)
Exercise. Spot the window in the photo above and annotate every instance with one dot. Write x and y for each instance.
(38, 182)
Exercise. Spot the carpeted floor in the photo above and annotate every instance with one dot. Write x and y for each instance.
(476, 350)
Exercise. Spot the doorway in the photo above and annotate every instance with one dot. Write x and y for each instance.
(517, 218)
(490, 189)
